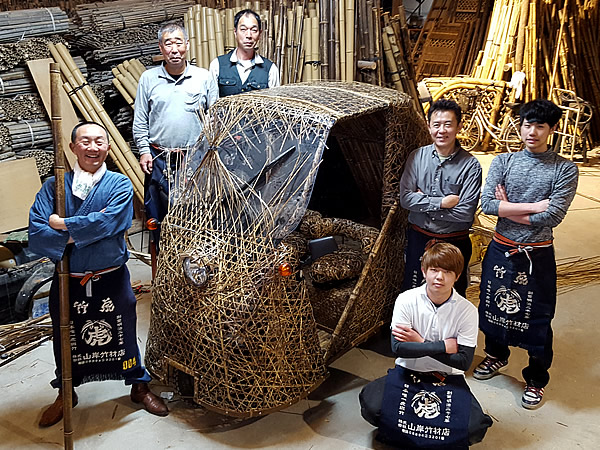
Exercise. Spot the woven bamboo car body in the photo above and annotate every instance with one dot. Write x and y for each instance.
(240, 321)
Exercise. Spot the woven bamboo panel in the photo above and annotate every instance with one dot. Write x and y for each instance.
(223, 317)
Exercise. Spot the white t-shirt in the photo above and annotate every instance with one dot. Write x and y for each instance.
(456, 318)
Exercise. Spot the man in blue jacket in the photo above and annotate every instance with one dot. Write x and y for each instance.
(103, 317)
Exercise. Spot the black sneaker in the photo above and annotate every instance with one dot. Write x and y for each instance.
(532, 397)
(488, 368)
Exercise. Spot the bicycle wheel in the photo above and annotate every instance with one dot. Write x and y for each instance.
(510, 137)
(471, 135)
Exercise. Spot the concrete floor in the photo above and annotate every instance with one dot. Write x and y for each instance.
(330, 419)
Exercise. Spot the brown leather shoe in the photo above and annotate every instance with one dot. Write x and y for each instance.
(141, 393)
(54, 413)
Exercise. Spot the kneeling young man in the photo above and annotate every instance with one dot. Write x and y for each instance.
(425, 401)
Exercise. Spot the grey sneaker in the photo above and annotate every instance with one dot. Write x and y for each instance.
(532, 397)
(488, 368)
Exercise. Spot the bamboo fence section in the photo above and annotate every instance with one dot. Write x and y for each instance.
(86, 101)
(18, 25)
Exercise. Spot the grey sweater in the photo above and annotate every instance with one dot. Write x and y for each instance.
(529, 177)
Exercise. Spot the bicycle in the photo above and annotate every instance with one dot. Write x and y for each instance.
(475, 124)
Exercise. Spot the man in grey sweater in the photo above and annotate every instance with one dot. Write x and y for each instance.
(530, 191)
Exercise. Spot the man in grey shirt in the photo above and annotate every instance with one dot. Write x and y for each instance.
(440, 187)
(530, 191)
(167, 104)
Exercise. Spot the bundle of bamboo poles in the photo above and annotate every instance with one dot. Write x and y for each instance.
(17, 25)
(501, 39)
(13, 5)
(102, 39)
(17, 339)
(398, 57)
(21, 107)
(15, 136)
(18, 81)
(12, 55)
(86, 101)
(121, 14)
(555, 45)
(127, 74)
(120, 52)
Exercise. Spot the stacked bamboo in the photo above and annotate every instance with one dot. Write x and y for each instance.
(13, 5)
(501, 39)
(17, 25)
(18, 81)
(84, 99)
(21, 107)
(119, 52)
(15, 136)
(397, 55)
(12, 55)
(122, 14)
(17, 339)
(127, 74)
(545, 41)
(102, 39)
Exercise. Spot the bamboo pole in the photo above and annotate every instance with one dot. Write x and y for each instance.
(211, 31)
(342, 39)
(63, 265)
(379, 43)
(219, 19)
(197, 26)
(334, 56)
(524, 17)
(205, 56)
(307, 72)
(391, 61)
(563, 20)
(316, 70)
(350, 34)
(92, 110)
(533, 82)
(229, 35)
(299, 66)
(324, 32)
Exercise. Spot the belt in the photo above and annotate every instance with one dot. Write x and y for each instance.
(91, 275)
(455, 234)
(520, 247)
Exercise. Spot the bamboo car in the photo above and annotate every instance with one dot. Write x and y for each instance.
(244, 319)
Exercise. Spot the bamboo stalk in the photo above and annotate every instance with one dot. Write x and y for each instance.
(342, 39)
(92, 110)
(350, 36)
(63, 265)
